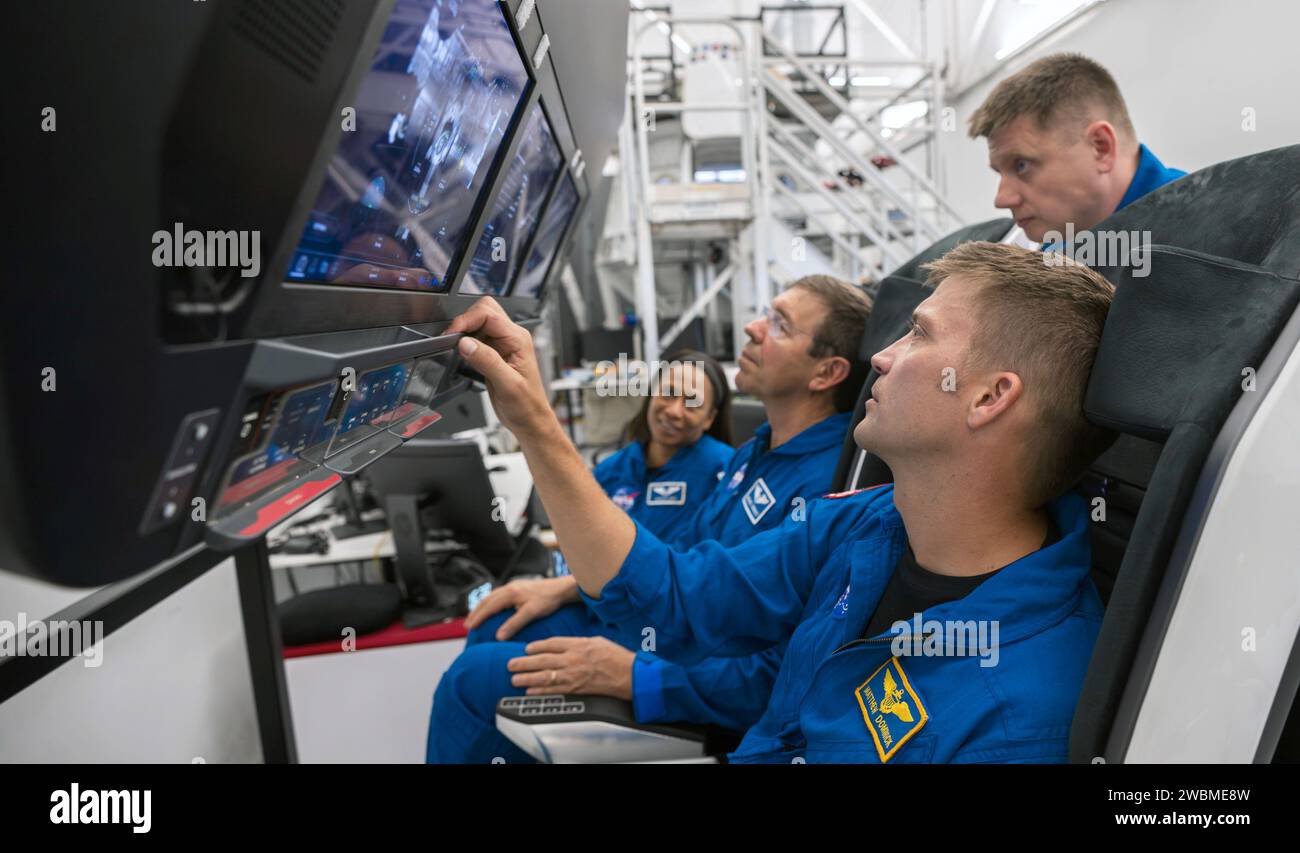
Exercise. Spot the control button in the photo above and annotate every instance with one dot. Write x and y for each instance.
(191, 438)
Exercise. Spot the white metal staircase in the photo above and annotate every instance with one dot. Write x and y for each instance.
(856, 214)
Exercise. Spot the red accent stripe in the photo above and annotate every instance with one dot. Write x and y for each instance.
(293, 501)
(834, 495)
(420, 423)
(395, 634)
(257, 482)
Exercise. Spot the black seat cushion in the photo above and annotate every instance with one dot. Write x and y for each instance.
(321, 615)
(1120, 477)
(1245, 210)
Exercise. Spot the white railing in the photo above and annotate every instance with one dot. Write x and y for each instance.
(878, 224)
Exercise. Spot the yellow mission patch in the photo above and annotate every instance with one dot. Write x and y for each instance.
(891, 708)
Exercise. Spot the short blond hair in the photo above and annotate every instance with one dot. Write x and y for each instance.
(1053, 90)
(1041, 321)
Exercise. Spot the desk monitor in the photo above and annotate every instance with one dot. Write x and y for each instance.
(430, 484)
(398, 202)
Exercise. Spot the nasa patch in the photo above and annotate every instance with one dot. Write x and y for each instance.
(625, 498)
(841, 608)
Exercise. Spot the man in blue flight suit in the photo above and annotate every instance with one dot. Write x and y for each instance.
(801, 362)
(949, 617)
(1064, 148)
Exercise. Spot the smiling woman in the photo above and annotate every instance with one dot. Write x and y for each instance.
(691, 400)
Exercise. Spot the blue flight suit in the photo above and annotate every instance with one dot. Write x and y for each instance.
(757, 491)
(1151, 175)
(843, 697)
(678, 489)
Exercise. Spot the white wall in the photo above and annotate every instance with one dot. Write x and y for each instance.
(1187, 69)
(367, 707)
(173, 685)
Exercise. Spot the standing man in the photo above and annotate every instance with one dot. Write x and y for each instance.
(1064, 148)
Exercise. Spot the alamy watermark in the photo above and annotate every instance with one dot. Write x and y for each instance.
(181, 248)
(949, 638)
(1100, 248)
(75, 806)
(636, 378)
(57, 638)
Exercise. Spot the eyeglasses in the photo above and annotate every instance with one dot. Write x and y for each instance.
(777, 325)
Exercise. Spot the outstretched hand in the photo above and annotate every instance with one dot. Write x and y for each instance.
(502, 351)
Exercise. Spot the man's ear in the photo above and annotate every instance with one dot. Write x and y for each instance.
(829, 373)
(994, 398)
(1102, 139)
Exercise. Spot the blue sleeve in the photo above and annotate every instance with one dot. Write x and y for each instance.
(763, 581)
(727, 692)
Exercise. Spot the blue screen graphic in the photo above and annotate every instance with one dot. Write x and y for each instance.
(517, 208)
(377, 393)
(397, 205)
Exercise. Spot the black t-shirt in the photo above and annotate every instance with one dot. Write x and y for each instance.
(914, 589)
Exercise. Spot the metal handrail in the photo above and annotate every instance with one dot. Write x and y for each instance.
(810, 117)
(880, 221)
(843, 107)
(836, 238)
(806, 175)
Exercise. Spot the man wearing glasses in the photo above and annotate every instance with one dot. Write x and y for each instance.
(801, 362)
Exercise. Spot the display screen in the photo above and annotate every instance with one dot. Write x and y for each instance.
(276, 431)
(371, 403)
(554, 225)
(424, 381)
(517, 208)
(397, 205)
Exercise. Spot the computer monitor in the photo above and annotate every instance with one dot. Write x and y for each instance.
(517, 209)
(691, 337)
(607, 344)
(429, 484)
(397, 206)
(555, 225)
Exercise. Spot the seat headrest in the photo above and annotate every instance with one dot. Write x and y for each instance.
(897, 297)
(904, 288)
(991, 230)
(1177, 342)
(1246, 210)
